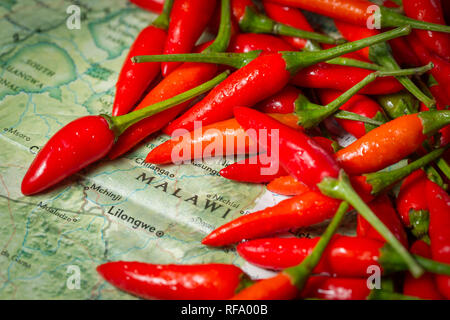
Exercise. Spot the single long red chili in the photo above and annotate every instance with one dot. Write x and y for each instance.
(150, 5)
(439, 206)
(188, 20)
(211, 281)
(359, 13)
(246, 42)
(135, 78)
(391, 142)
(185, 77)
(429, 11)
(88, 139)
(359, 104)
(423, 287)
(381, 54)
(384, 210)
(250, 20)
(328, 76)
(255, 81)
(412, 204)
(345, 256)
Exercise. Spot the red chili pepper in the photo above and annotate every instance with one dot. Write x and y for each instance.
(358, 104)
(345, 256)
(246, 42)
(256, 80)
(288, 186)
(320, 287)
(439, 206)
(439, 93)
(150, 5)
(135, 78)
(380, 54)
(281, 102)
(391, 142)
(358, 12)
(185, 77)
(88, 139)
(384, 210)
(250, 19)
(412, 203)
(188, 20)
(423, 287)
(429, 11)
(212, 281)
(328, 76)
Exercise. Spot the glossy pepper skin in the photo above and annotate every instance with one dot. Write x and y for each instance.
(320, 287)
(173, 282)
(357, 12)
(359, 104)
(412, 196)
(423, 287)
(75, 146)
(150, 5)
(384, 210)
(246, 42)
(439, 206)
(135, 78)
(188, 20)
(390, 142)
(330, 76)
(303, 210)
(429, 11)
(287, 186)
(282, 102)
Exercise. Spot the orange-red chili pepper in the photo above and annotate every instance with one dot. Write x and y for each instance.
(391, 142)
(150, 5)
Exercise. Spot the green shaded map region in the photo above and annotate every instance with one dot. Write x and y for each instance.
(115, 210)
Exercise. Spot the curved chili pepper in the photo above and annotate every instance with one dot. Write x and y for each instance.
(185, 77)
(381, 54)
(150, 5)
(358, 104)
(303, 159)
(246, 42)
(423, 287)
(88, 139)
(403, 53)
(188, 20)
(211, 281)
(250, 20)
(327, 76)
(358, 12)
(412, 203)
(384, 210)
(291, 281)
(224, 138)
(391, 142)
(429, 11)
(345, 256)
(281, 102)
(134, 78)
(439, 206)
(256, 80)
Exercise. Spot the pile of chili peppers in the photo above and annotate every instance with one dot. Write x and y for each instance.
(270, 76)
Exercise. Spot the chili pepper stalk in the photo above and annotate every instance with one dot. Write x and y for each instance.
(294, 60)
(310, 114)
(88, 139)
(291, 281)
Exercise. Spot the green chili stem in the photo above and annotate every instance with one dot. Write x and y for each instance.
(390, 18)
(347, 115)
(120, 123)
(383, 179)
(342, 189)
(255, 22)
(443, 165)
(387, 295)
(434, 120)
(309, 114)
(380, 53)
(300, 273)
(222, 40)
(162, 21)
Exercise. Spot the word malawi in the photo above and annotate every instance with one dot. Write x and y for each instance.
(207, 204)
